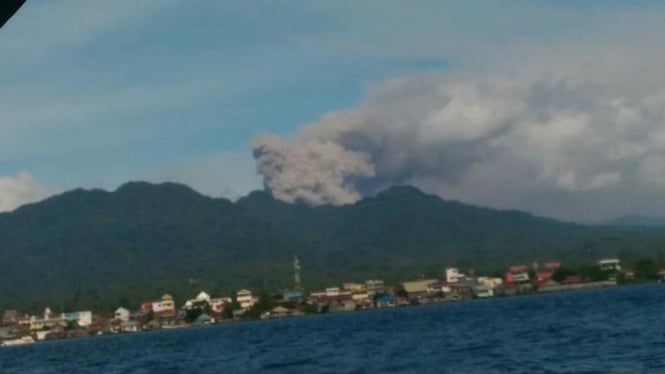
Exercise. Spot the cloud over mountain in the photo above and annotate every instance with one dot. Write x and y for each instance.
(541, 138)
(20, 189)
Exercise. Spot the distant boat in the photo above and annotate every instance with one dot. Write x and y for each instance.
(8, 8)
(24, 340)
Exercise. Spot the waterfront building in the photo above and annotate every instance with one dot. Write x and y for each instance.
(453, 275)
(418, 289)
(610, 264)
(121, 314)
(245, 298)
(218, 304)
(375, 286)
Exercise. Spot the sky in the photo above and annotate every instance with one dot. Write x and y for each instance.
(555, 108)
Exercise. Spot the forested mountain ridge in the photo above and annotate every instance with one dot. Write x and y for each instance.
(97, 249)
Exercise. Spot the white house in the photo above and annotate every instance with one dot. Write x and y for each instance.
(610, 264)
(217, 304)
(452, 275)
(164, 306)
(121, 314)
(84, 318)
(245, 298)
(202, 296)
(374, 286)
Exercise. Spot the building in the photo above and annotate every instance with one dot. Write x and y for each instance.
(83, 319)
(438, 287)
(245, 298)
(418, 289)
(121, 314)
(490, 282)
(163, 308)
(218, 304)
(201, 298)
(610, 264)
(375, 286)
(354, 287)
(481, 291)
(518, 274)
(453, 275)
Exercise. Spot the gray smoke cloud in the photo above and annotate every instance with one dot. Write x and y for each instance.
(313, 171)
(581, 143)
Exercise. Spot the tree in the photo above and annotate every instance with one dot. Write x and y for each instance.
(562, 272)
(197, 309)
(646, 269)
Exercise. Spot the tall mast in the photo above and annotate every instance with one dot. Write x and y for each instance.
(296, 273)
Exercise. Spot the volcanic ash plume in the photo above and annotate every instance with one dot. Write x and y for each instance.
(315, 171)
(541, 143)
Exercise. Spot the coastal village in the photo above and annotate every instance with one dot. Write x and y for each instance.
(166, 313)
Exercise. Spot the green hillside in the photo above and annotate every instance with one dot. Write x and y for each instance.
(92, 248)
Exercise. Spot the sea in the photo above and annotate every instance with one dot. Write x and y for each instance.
(614, 330)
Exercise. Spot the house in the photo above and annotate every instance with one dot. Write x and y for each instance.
(518, 274)
(453, 275)
(121, 314)
(48, 321)
(164, 308)
(83, 319)
(490, 282)
(360, 297)
(245, 298)
(462, 291)
(200, 299)
(10, 317)
(332, 291)
(218, 304)
(355, 287)
(438, 287)
(418, 289)
(481, 291)
(375, 286)
(610, 264)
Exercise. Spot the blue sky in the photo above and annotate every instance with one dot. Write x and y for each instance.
(96, 93)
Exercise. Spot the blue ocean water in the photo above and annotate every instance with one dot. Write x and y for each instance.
(619, 330)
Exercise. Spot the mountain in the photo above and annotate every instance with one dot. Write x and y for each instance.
(92, 248)
(636, 220)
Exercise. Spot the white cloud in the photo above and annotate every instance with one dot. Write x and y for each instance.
(21, 189)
